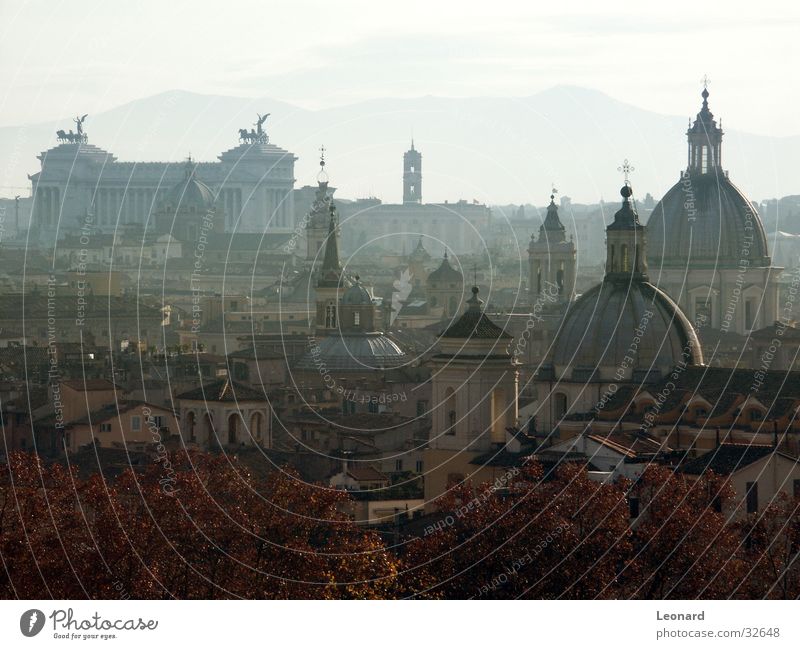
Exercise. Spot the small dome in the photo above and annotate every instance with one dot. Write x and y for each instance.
(632, 326)
(445, 273)
(354, 353)
(190, 194)
(356, 295)
(705, 221)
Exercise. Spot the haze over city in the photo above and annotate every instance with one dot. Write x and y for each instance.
(430, 300)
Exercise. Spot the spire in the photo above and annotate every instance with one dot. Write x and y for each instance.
(189, 167)
(331, 271)
(552, 230)
(322, 176)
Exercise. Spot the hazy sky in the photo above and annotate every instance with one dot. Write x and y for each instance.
(61, 58)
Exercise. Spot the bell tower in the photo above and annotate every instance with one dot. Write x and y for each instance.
(412, 175)
(552, 260)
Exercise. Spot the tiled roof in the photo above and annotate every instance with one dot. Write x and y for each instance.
(627, 444)
(223, 390)
(366, 473)
(113, 410)
(727, 458)
(91, 385)
(475, 324)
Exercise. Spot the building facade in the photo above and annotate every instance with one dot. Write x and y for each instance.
(80, 184)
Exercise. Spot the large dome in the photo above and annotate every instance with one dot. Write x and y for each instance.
(705, 221)
(629, 330)
(353, 353)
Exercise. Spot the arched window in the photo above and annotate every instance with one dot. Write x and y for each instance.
(190, 426)
(233, 429)
(560, 278)
(559, 405)
(498, 413)
(625, 259)
(450, 411)
(208, 427)
(256, 426)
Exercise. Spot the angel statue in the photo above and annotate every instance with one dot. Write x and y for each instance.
(79, 123)
(261, 120)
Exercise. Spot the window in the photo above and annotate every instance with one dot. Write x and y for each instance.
(418, 468)
(560, 405)
(450, 410)
(357, 318)
(749, 313)
(105, 428)
(451, 422)
(422, 407)
(633, 506)
(330, 316)
(157, 421)
(796, 486)
(256, 427)
(756, 415)
(752, 497)
(398, 465)
(136, 423)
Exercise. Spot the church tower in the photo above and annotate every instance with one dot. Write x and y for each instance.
(317, 220)
(552, 260)
(412, 176)
(329, 281)
(474, 400)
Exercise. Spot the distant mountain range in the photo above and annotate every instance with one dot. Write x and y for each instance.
(495, 150)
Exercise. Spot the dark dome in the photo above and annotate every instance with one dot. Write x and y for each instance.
(609, 324)
(190, 194)
(353, 353)
(705, 221)
(356, 295)
(445, 273)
